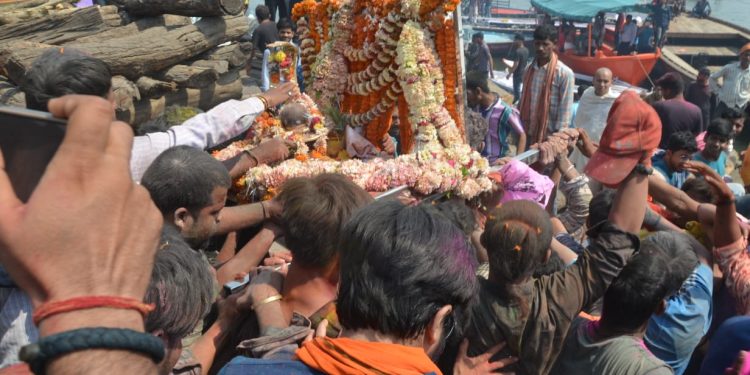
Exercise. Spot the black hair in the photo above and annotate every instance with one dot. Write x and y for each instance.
(517, 238)
(262, 13)
(183, 176)
(732, 114)
(181, 288)
(401, 264)
(479, 35)
(284, 23)
(477, 80)
(679, 255)
(599, 208)
(546, 32)
(704, 71)
(476, 129)
(682, 141)
(674, 83)
(459, 214)
(519, 37)
(699, 190)
(552, 265)
(720, 127)
(58, 72)
(315, 211)
(635, 294)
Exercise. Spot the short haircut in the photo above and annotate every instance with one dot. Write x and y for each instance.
(672, 82)
(476, 128)
(64, 71)
(704, 71)
(477, 80)
(519, 37)
(699, 190)
(720, 127)
(546, 32)
(315, 211)
(478, 35)
(262, 13)
(184, 176)
(599, 208)
(682, 141)
(181, 288)
(732, 114)
(637, 291)
(284, 23)
(677, 248)
(399, 265)
(517, 238)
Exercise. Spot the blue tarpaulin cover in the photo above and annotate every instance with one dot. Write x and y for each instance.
(585, 10)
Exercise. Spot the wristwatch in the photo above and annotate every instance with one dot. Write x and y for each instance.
(643, 169)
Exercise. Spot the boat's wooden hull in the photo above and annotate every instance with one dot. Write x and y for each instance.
(632, 69)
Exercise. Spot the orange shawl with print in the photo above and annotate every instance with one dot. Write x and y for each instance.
(536, 131)
(341, 356)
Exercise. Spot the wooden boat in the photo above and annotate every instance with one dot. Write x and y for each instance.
(632, 69)
(695, 42)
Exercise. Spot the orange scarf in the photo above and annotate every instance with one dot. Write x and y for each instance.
(537, 130)
(346, 356)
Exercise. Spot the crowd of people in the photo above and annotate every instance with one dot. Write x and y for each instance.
(631, 258)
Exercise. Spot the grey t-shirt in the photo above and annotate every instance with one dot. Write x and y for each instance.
(479, 57)
(520, 56)
(584, 354)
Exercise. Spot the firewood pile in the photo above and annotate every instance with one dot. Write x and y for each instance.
(157, 56)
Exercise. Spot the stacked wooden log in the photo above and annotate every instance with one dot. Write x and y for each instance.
(156, 55)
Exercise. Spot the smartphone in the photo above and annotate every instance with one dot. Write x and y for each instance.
(29, 140)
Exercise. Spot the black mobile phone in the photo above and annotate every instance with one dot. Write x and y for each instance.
(29, 140)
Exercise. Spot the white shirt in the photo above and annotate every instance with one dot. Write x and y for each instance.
(214, 127)
(592, 116)
(628, 33)
(734, 90)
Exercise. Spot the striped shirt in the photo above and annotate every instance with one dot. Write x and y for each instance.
(734, 90)
(561, 97)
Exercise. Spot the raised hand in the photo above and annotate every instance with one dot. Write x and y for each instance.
(481, 364)
(712, 177)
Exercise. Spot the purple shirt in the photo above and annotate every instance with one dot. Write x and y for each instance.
(678, 115)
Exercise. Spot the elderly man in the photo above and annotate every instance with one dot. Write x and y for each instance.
(593, 108)
(734, 89)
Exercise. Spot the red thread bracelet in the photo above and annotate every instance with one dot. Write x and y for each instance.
(89, 302)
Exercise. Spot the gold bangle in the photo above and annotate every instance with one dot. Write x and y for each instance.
(264, 101)
(267, 300)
